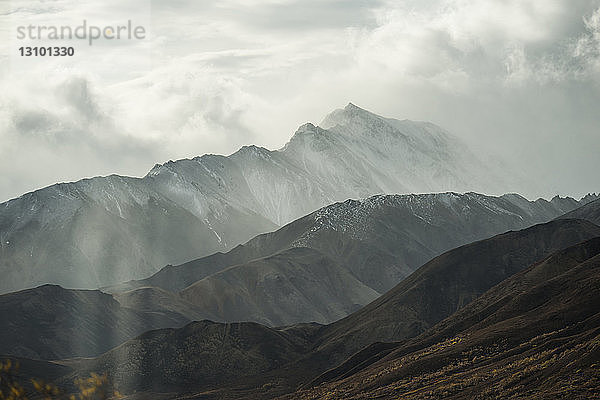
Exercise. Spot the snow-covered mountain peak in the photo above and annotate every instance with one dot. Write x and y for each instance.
(159, 169)
(307, 127)
(305, 133)
(351, 114)
(590, 197)
(155, 170)
(251, 151)
(193, 207)
(357, 122)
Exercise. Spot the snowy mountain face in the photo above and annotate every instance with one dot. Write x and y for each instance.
(384, 238)
(101, 231)
(326, 264)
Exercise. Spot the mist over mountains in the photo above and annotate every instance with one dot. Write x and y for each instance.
(105, 230)
(319, 270)
(327, 264)
(477, 293)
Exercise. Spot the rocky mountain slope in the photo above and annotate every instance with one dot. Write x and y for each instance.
(345, 255)
(102, 231)
(51, 323)
(412, 227)
(449, 282)
(533, 336)
(199, 358)
(590, 211)
(171, 359)
(106, 230)
(295, 285)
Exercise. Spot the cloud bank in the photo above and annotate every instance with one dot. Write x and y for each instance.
(519, 79)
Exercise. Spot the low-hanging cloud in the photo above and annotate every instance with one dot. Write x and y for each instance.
(517, 78)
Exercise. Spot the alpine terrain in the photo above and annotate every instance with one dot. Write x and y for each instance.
(105, 230)
(329, 263)
(485, 313)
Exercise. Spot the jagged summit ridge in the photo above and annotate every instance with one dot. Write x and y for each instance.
(355, 217)
(341, 116)
(190, 208)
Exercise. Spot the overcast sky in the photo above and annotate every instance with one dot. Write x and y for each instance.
(513, 77)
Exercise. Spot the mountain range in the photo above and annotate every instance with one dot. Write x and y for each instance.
(589, 211)
(287, 275)
(50, 322)
(319, 268)
(329, 263)
(477, 299)
(102, 231)
(533, 336)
